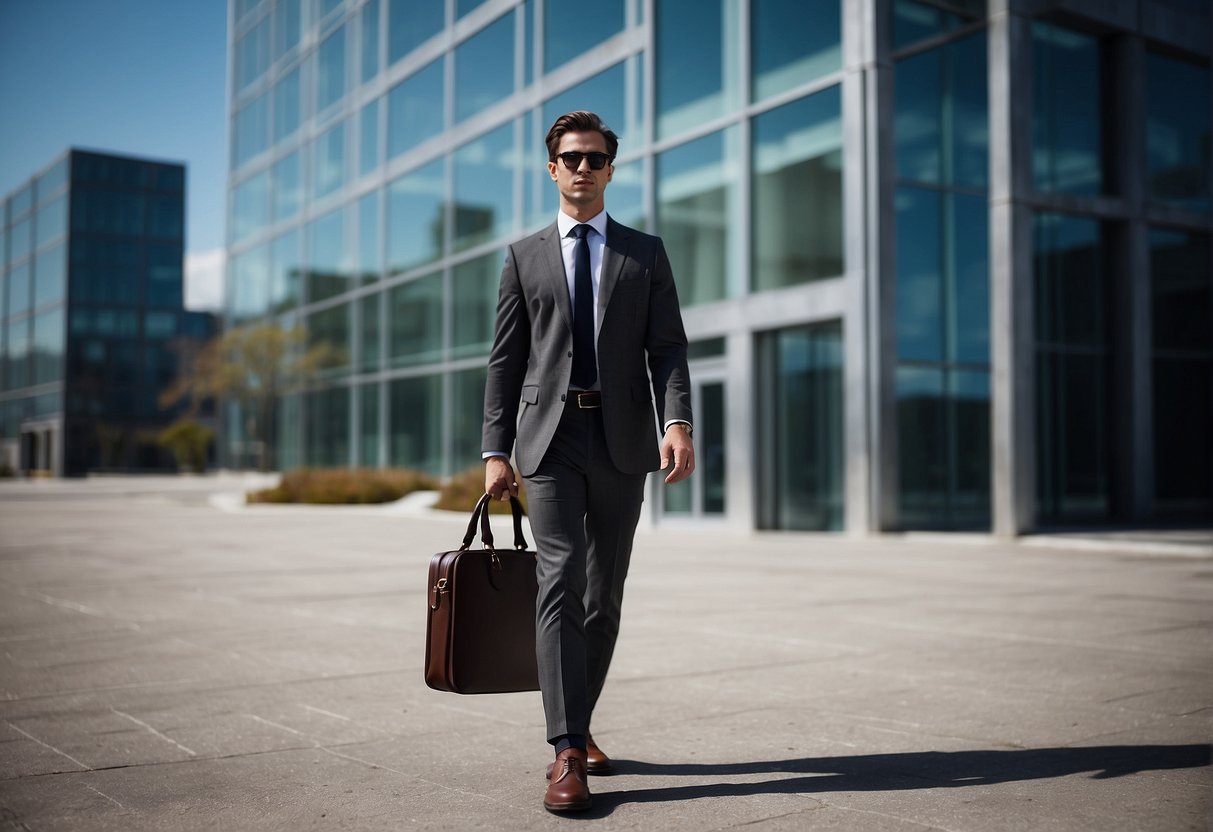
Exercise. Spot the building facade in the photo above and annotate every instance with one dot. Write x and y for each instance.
(90, 303)
(945, 264)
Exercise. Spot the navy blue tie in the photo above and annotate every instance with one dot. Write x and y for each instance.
(585, 368)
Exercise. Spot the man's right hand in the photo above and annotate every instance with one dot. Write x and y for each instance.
(499, 480)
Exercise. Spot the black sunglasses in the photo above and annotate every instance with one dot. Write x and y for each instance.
(572, 159)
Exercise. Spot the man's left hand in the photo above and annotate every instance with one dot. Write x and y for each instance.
(676, 448)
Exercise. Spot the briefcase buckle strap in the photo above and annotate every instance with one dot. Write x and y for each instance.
(436, 596)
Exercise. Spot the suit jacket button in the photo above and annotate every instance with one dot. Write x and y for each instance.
(562, 397)
(570, 353)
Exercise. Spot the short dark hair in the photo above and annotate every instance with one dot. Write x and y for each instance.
(580, 121)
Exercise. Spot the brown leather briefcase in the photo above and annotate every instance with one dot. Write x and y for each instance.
(480, 634)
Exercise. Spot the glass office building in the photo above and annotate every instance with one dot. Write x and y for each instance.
(945, 264)
(90, 303)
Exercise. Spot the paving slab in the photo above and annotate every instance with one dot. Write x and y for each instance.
(173, 660)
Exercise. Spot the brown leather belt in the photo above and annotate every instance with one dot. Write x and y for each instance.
(584, 399)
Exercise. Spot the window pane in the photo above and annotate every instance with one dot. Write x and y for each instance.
(484, 68)
(416, 202)
(328, 427)
(330, 271)
(415, 109)
(252, 54)
(250, 282)
(287, 276)
(793, 41)
(329, 332)
(105, 270)
(697, 63)
(625, 195)
(462, 7)
(564, 39)
(368, 434)
(969, 241)
(797, 192)
(330, 70)
(19, 289)
(1177, 132)
(48, 343)
(370, 40)
(920, 291)
(709, 421)
(19, 240)
(1070, 294)
(416, 423)
(370, 356)
(108, 212)
(802, 436)
(415, 313)
(474, 305)
(287, 106)
(696, 188)
(1066, 143)
(287, 26)
(50, 275)
(252, 130)
(368, 146)
(411, 23)
(370, 265)
(165, 216)
(51, 221)
(1180, 286)
(288, 187)
(328, 157)
(51, 181)
(17, 372)
(484, 188)
(251, 206)
(915, 20)
(467, 417)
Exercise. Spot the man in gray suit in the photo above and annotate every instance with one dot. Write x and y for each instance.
(589, 339)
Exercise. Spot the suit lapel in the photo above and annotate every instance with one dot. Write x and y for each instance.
(555, 276)
(613, 255)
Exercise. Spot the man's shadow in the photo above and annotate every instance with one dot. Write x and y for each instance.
(892, 772)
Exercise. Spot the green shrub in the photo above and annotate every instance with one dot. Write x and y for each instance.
(461, 492)
(344, 486)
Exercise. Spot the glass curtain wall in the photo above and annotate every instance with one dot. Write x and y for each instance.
(942, 322)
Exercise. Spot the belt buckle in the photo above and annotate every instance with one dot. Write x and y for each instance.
(586, 400)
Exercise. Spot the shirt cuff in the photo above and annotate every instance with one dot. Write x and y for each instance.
(676, 422)
(491, 454)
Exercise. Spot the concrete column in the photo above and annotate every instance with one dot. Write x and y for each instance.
(1012, 325)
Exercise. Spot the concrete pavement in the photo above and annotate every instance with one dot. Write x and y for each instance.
(171, 661)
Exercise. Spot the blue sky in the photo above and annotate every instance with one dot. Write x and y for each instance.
(144, 77)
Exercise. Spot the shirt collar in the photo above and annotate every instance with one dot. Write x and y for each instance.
(598, 222)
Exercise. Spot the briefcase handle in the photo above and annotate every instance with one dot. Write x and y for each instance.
(481, 513)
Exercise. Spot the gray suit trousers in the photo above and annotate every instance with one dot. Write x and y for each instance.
(583, 513)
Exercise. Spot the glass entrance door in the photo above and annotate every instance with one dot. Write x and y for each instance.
(702, 494)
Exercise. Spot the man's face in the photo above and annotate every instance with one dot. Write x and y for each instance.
(583, 187)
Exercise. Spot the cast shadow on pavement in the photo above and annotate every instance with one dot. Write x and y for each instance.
(890, 772)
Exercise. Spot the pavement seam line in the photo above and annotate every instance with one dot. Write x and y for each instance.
(189, 751)
(48, 745)
(91, 787)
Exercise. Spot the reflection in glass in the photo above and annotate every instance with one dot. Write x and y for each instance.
(1074, 420)
(369, 259)
(50, 275)
(416, 202)
(252, 54)
(328, 159)
(484, 188)
(330, 70)
(1178, 134)
(1181, 283)
(474, 305)
(368, 134)
(697, 62)
(163, 287)
(941, 115)
(328, 427)
(51, 221)
(329, 330)
(1066, 119)
(793, 41)
(801, 437)
(330, 271)
(165, 216)
(20, 295)
(287, 106)
(250, 280)
(570, 30)
(251, 206)
(467, 413)
(696, 188)
(606, 91)
(370, 40)
(411, 23)
(19, 238)
(106, 212)
(51, 181)
(16, 371)
(370, 358)
(416, 423)
(625, 195)
(48, 344)
(915, 20)
(484, 68)
(286, 280)
(288, 187)
(252, 130)
(368, 419)
(288, 19)
(797, 192)
(415, 109)
(105, 270)
(415, 313)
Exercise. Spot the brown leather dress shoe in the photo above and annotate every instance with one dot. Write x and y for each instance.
(596, 761)
(569, 790)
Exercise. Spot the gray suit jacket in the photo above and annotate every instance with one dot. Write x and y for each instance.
(642, 349)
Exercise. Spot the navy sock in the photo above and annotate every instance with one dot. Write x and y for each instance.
(568, 741)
